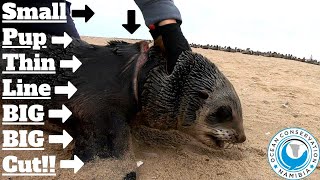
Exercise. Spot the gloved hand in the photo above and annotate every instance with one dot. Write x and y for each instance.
(155, 11)
(174, 43)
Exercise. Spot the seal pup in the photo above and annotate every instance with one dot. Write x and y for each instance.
(196, 99)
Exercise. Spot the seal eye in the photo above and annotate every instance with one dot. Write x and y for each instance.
(203, 95)
(223, 114)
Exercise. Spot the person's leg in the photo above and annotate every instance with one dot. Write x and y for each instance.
(52, 29)
(163, 19)
(70, 27)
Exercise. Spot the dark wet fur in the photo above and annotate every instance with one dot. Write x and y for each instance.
(104, 102)
(166, 96)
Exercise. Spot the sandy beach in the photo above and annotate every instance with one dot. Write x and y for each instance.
(275, 94)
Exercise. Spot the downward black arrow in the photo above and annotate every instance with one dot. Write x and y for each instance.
(131, 26)
(87, 13)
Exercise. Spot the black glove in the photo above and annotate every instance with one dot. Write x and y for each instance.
(174, 42)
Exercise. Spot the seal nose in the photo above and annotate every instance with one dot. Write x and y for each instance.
(241, 138)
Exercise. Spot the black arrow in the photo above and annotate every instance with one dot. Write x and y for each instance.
(87, 13)
(131, 26)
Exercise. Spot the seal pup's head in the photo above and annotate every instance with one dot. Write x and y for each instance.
(196, 98)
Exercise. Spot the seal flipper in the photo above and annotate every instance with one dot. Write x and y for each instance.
(131, 176)
(118, 137)
(106, 136)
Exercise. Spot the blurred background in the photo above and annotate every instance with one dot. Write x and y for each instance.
(284, 26)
